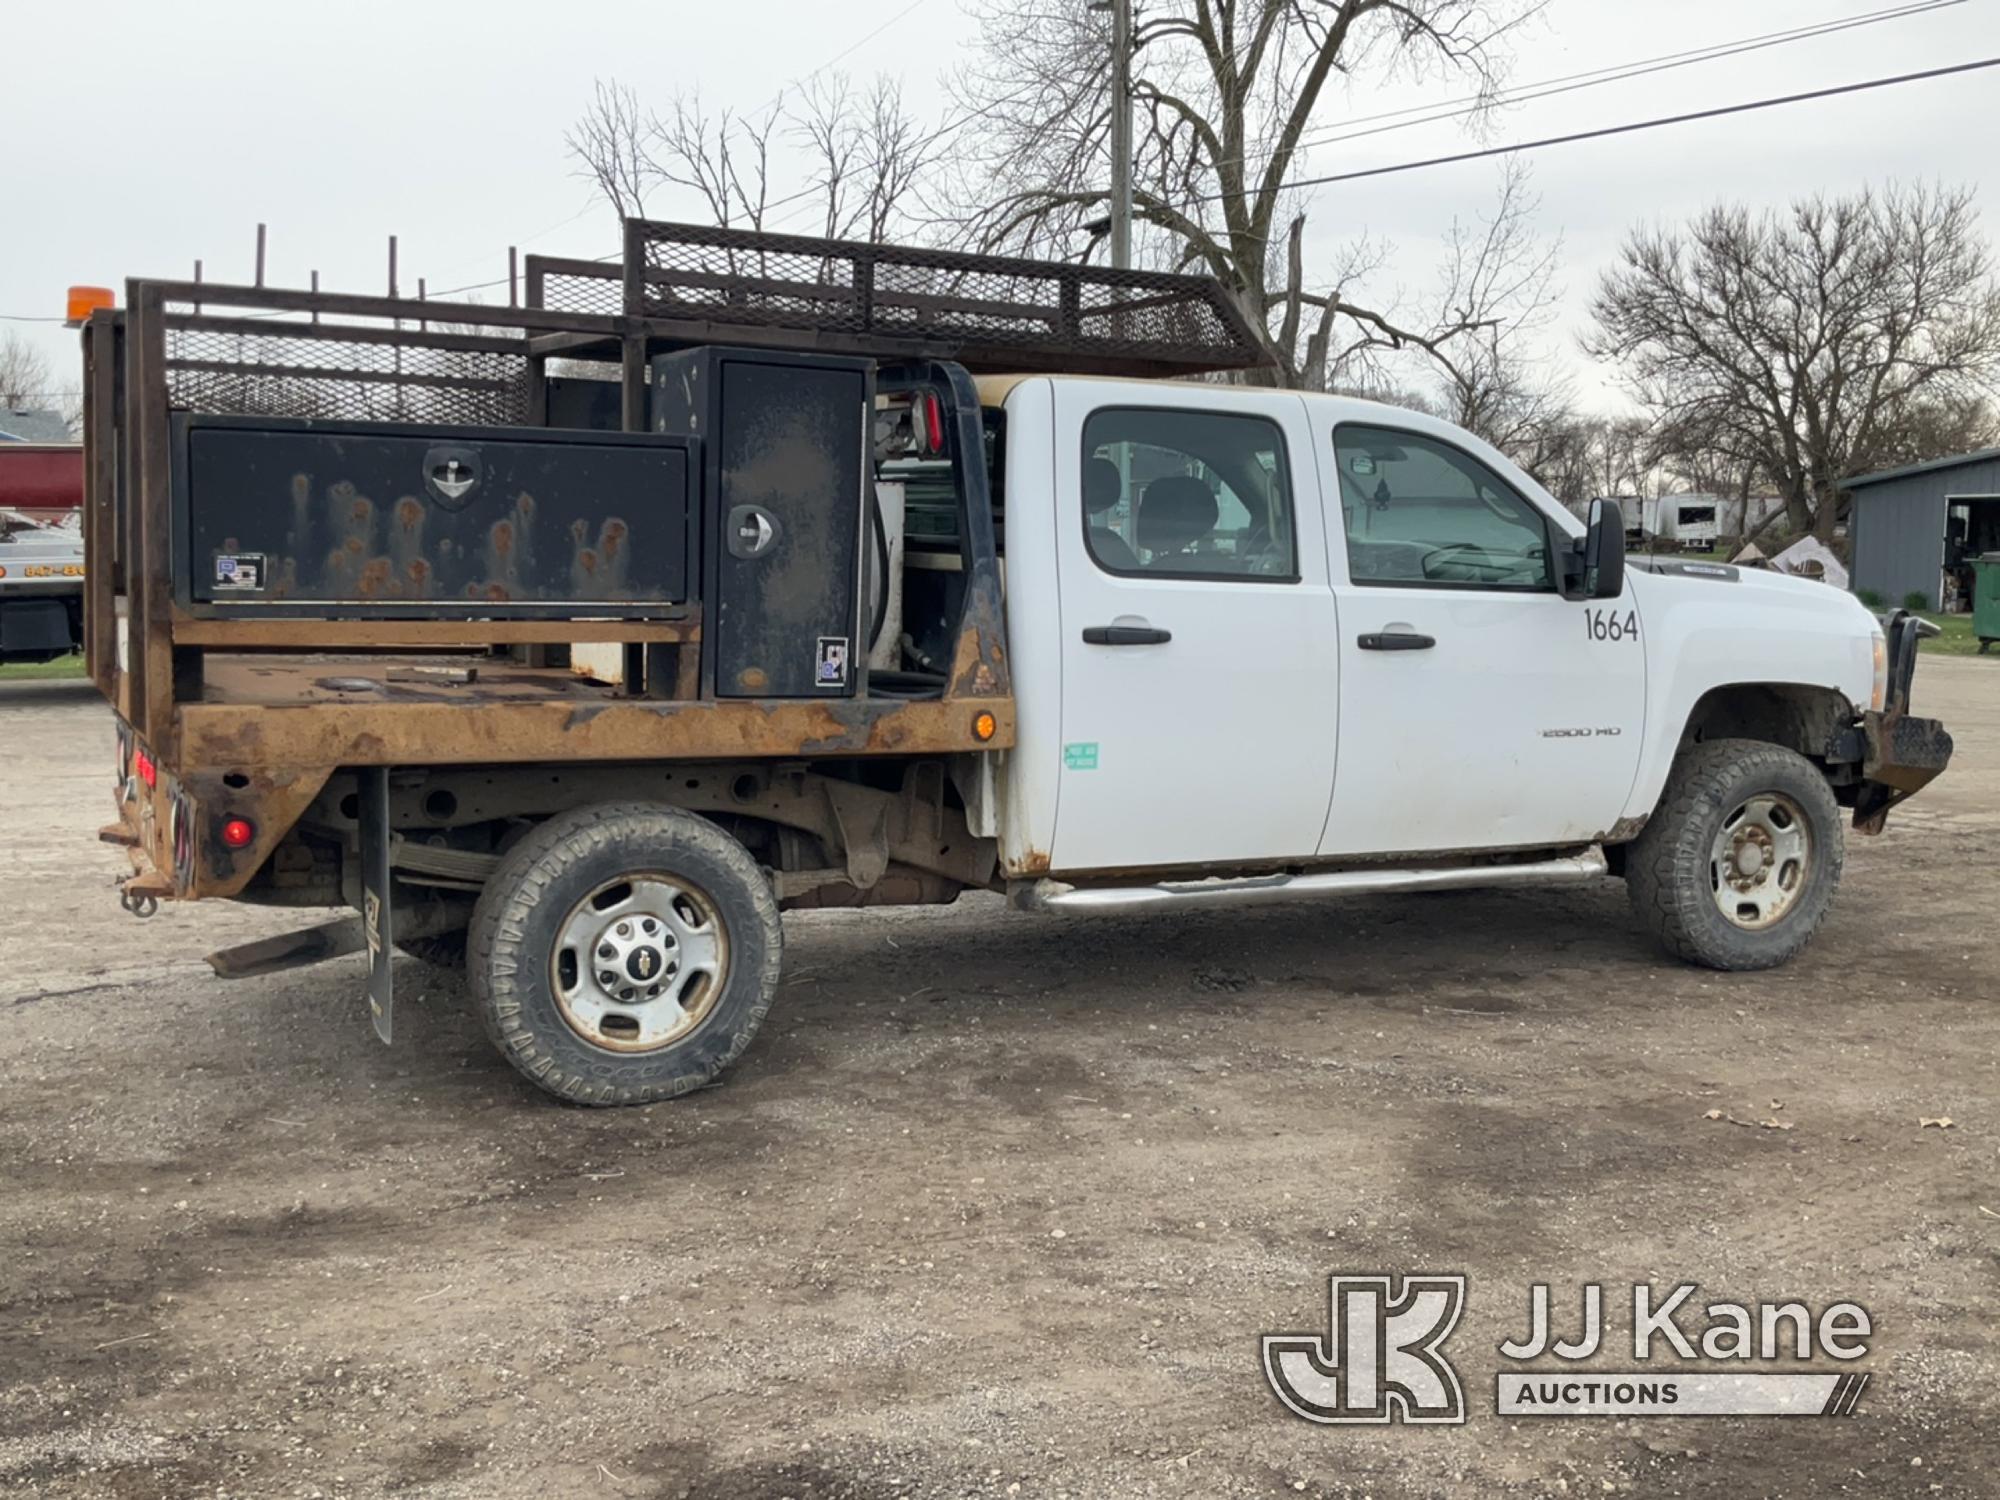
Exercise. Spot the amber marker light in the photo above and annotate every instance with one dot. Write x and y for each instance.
(984, 726)
(83, 301)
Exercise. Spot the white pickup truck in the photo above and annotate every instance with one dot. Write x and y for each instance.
(1264, 629)
(1099, 644)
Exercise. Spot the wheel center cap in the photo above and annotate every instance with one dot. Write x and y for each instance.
(1751, 859)
(644, 964)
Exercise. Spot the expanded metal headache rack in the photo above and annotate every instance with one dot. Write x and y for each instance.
(698, 284)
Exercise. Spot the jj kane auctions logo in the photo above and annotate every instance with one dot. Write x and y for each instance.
(1381, 1358)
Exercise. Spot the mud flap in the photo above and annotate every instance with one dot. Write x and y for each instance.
(377, 923)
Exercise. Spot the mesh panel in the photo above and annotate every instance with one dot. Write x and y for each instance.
(1183, 321)
(565, 291)
(994, 307)
(294, 374)
(743, 286)
(749, 279)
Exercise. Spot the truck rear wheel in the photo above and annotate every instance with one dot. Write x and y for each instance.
(625, 953)
(1738, 866)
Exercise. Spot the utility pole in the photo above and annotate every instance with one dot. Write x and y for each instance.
(1121, 134)
(1121, 129)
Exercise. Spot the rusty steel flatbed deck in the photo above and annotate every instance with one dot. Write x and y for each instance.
(273, 711)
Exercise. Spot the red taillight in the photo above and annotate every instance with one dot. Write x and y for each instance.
(143, 763)
(239, 833)
(933, 424)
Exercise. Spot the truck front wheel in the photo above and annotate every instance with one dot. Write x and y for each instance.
(624, 953)
(1738, 866)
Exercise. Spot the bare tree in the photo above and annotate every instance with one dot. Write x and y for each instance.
(1806, 344)
(724, 158)
(865, 155)
(1932, 428)
(613, 142)
(1497, 286)
(25, 380)
(1225, 91)
(1579, 458)
(630, 152)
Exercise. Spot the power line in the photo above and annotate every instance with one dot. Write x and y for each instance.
(850, 50)
(539, 234)
(1609, 130)
(1641, 68)
(26, 318)
(1594, 77)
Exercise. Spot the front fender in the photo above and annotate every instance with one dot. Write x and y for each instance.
(1732, 627)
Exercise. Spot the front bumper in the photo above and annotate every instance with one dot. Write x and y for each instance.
(1900, 754)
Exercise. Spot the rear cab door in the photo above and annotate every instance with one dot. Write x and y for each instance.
(1198, 654)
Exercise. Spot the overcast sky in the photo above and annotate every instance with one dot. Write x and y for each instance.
(143, 135)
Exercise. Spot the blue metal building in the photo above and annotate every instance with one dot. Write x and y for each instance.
(1911, 530)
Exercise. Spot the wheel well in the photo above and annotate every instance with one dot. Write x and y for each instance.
(1799, 717)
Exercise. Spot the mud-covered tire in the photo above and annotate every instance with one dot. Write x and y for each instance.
(538, 886)
(1671, 873)
(441, 950)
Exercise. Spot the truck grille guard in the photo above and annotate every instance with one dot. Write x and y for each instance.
(1902, 754)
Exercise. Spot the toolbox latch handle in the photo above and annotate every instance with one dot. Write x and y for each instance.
(451, 474)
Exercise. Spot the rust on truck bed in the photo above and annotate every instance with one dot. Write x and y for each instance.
(329, 710)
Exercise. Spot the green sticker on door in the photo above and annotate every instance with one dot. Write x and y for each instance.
(1080, 757)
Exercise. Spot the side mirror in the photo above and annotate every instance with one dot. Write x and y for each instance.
(1597, 569)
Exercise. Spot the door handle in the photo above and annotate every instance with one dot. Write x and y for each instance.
(1125, 635)
(1397, 640)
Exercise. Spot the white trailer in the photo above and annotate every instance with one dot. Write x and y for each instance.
(1687, 521)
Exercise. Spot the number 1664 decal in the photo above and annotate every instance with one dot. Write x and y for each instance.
(1609, 625)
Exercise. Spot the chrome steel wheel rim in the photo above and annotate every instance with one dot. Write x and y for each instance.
(1761, 861)
(639, 963)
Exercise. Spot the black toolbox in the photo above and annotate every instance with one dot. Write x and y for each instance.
(294, 516)
(785, 447)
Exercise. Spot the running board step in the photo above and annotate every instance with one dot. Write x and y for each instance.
(1057, 895)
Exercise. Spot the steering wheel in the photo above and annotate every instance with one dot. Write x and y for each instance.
(1494, 565)
(1443, 549)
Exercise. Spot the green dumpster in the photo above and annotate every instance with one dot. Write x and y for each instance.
(1986, 598)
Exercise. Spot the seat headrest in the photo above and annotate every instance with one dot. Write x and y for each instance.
(1103, 486)
(1175, 512)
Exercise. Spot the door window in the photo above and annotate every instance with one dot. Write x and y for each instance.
(1419, 512)
(1189, 494)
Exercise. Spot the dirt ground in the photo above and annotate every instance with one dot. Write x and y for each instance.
(996, 1205)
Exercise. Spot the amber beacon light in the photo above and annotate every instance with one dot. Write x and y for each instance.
(83, 301)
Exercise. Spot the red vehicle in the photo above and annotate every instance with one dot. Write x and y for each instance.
(43, 481)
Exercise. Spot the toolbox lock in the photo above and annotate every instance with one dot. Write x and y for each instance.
(451, 473)
(753, 531)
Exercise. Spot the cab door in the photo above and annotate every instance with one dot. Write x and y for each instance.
(1200, 664)
(1479, 708)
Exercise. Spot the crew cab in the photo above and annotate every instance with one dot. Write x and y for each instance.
(579, 680)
